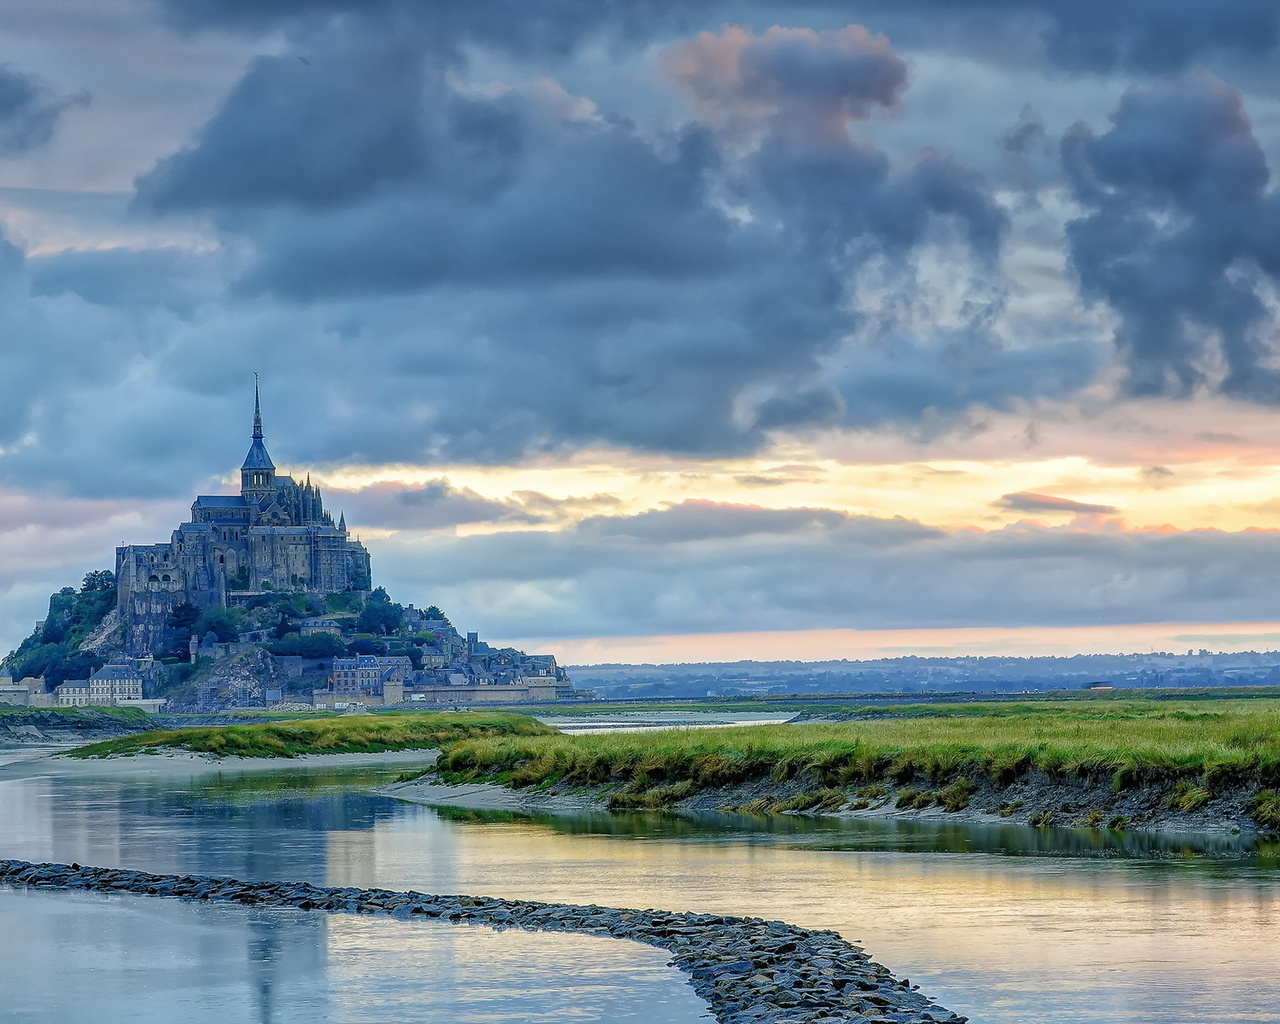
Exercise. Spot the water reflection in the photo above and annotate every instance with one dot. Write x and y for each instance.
(93, 958)
(1010, 925)
(813, 832)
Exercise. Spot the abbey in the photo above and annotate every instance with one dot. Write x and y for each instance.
(275, 535)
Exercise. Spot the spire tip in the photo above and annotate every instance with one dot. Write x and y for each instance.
(257, 409)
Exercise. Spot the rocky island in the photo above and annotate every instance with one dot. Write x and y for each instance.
(262, 597)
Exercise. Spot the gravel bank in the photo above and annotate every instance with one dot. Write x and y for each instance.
(749, 971)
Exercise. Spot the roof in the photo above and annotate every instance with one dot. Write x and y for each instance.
(219, 501)
(258, 457)
(116, 672)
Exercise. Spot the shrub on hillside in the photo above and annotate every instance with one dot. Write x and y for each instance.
(318, 645)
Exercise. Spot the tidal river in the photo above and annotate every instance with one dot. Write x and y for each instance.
(1005, 925)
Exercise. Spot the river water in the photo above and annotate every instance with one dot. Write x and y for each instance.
(1007, 925)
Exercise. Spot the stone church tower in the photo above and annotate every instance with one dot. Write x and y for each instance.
(273, 536)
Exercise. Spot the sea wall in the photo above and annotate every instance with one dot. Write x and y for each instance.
(749, 971)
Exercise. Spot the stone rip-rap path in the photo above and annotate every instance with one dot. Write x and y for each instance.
(749, 971)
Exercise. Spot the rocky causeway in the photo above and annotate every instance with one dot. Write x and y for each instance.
(750, 971)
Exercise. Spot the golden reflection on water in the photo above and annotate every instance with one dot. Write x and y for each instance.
(479, 974)
(1125, 937)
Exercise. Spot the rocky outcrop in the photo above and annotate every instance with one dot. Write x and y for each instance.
(749, 971)
(243, 674)
(107, 638)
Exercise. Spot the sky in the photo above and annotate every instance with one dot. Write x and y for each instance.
(656, 331)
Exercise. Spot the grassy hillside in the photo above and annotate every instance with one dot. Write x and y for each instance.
(342, 735)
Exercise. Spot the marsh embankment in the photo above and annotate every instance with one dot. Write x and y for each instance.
(1036, 800)
(1133, 763)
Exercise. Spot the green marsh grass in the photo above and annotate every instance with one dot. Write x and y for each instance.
(1266, 809)
(1135, 741)
(344, 735)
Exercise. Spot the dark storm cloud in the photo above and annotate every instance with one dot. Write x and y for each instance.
(1182, 239)
(170, 279)
(28, 113)
(1151, 36)
(798, 80)
(1030, 501)
(1159, 36)
(704, 567)
(601, 281)
(293, 133)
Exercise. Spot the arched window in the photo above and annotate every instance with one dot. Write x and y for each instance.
(153, 578)
(167, 578)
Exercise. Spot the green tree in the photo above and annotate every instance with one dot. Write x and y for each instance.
(318, 645)
(99, 579)
(182, 620)
(224, 623)
(381, 615)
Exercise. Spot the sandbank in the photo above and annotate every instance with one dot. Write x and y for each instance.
(178, 763)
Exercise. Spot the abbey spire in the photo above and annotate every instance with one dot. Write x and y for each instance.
(258, 474)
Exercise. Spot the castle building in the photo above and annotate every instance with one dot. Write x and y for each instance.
(275, 535)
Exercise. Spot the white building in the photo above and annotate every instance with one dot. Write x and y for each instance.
(74, 693)
(118, 680)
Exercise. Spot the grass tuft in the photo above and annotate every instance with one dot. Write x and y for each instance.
(1187, 797)
(957, 795)
(1266, 809)
(822, 800)
(910, 799)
